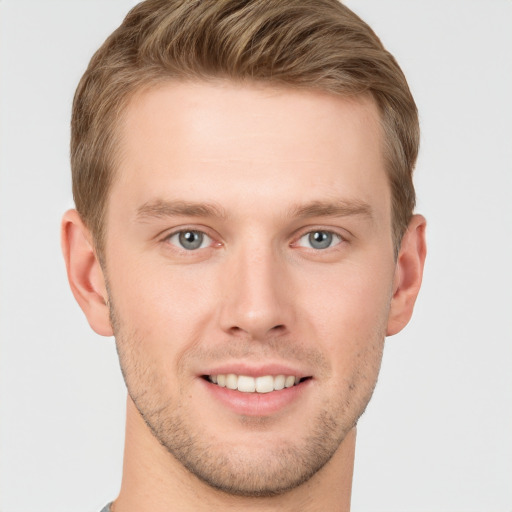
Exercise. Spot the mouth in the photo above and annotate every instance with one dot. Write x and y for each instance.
(262, 384)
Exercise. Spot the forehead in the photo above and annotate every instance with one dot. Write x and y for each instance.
(211, 141)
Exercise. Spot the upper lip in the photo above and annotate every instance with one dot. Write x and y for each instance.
(256, 370)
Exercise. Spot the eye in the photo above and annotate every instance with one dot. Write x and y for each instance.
(319, 239)
(190, 240)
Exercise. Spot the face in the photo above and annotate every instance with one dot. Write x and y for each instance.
(250, 269)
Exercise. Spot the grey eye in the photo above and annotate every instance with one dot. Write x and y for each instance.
(319, 240)
(190, 240)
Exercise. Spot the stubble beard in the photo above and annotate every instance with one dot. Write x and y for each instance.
(237, 470)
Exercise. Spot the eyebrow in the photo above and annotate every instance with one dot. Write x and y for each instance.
(338, 208)
(161, 209)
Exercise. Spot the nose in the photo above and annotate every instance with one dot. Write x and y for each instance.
(256, 299)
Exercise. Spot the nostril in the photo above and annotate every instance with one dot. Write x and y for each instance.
(275, 330)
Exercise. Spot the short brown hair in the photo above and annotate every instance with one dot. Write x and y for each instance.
(312, 44)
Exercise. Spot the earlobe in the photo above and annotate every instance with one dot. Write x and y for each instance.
(84, 272)
(408, 275)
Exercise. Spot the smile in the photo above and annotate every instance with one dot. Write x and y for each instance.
(247, 384)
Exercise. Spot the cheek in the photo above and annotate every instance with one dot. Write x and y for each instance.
(351, 329)
(161, 311)
(150, 287)
(349, 310)
(353, 294)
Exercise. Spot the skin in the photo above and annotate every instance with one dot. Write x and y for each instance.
(256, 170)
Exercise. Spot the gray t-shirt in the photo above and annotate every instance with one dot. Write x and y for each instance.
(106, 508)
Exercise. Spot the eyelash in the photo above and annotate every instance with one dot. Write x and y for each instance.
(168, 239)
(334, 236)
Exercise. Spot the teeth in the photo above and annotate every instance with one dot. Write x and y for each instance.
(246, 384)
(289, 382)
(279, 382)
(263, 384)
(231, 381)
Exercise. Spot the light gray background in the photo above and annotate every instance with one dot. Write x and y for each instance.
(438, 433)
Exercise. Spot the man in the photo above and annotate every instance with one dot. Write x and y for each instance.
(242, 173)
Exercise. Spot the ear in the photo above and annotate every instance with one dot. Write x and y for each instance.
(84, 272)
(408, 275)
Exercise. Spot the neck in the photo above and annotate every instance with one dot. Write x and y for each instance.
(153, 480)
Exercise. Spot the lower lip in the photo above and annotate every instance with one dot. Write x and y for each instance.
(257, 404)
